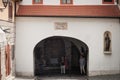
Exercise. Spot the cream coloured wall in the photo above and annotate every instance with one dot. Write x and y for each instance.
(4, 14)
(0, 3)
(29, 31)
(57, 2)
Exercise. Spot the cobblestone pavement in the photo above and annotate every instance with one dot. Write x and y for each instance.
(105, 77)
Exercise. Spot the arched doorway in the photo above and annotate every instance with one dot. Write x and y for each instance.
(48, 53)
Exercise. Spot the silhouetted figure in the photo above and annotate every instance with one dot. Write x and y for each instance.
(82, 64)
(62, 65)
(107, 42)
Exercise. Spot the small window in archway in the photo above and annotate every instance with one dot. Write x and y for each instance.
(66, 1)
(107, 42)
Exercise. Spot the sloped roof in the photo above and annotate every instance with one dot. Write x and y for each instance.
(69, 10)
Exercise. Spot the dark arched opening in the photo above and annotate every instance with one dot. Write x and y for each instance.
(48, 52)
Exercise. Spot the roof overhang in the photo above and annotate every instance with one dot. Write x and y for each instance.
(85, 11)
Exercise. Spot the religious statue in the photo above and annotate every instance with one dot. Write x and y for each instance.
(107, 42)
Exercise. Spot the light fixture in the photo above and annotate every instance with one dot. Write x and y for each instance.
(5, 3)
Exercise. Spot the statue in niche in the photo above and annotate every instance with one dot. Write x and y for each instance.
(107, 42)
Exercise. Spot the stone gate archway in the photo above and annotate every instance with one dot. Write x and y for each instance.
(48, 52)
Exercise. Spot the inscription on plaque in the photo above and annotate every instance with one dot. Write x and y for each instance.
(60, 25)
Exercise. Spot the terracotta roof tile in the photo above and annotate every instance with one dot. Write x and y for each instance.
(69, 11)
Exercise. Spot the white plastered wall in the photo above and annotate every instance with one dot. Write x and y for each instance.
(57, 2)
(31, 30)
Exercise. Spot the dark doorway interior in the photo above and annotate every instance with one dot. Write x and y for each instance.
(54, 49)
(75, 55)
(48, 53)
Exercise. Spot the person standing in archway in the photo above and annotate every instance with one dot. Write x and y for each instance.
(82, 64)
(62, 65)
